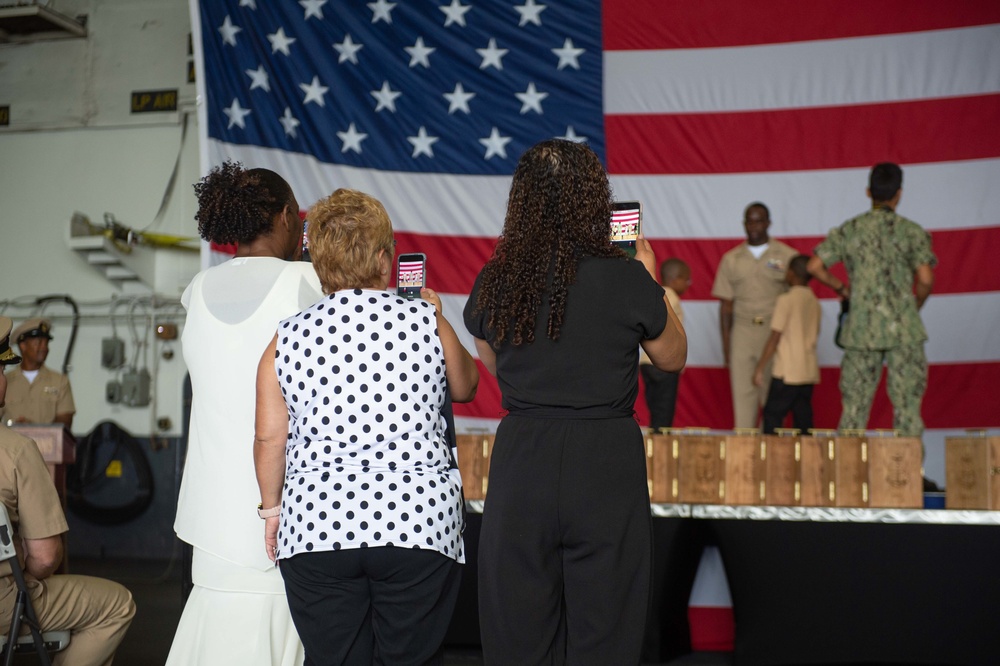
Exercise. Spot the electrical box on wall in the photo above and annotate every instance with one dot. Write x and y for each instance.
(112, 353)
(135, 388)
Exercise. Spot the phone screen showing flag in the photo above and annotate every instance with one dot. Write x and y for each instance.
(626, 222)
(410, 276)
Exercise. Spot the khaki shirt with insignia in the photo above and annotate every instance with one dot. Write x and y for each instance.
(797, 316)
(753, 285)
(881, 251)
(38, 401)
(27, 491)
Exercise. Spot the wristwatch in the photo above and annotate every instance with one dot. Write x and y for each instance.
(268, 513)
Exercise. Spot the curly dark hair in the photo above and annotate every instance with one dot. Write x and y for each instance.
(237, 205)
(558, 211)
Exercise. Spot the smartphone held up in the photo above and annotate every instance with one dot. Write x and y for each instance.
(626, 224)
(305, 242)
(411, 275)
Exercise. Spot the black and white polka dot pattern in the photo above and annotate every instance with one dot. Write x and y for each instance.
(367, 463)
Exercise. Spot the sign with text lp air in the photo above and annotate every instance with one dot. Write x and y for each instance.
(150, 101)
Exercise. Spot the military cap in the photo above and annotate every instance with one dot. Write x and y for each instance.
(7, 357)
(36, 327)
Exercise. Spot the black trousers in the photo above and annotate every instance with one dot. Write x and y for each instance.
(661, 395)
(565, 548)
(783, 398)
(371, 605)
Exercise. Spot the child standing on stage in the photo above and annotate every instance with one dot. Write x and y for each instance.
(794, 330)
(661, 387)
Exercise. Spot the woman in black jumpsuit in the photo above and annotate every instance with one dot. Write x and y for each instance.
(558, 314)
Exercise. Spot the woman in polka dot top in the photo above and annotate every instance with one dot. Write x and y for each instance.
(351, 454)
(558, 314)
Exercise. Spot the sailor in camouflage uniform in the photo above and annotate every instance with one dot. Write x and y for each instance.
(885, 255)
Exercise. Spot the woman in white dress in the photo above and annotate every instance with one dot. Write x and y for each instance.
(237, 612)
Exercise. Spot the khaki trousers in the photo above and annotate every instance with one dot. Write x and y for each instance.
(97, 612)
(747, 341)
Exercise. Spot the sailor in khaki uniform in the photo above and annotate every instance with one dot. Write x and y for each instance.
(36, 394)
(97, 612)
(749, 280)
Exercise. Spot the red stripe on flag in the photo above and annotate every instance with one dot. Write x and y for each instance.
(713, 628)
(487, 402)
(719, 23)
(454, 261)
(974, 250)
(225, 249)
(959, 128)
(959, 395)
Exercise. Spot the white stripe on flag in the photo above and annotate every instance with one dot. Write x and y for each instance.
(802, 203)
(860, 70)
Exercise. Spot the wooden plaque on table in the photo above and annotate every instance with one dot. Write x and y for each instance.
(972, 468)
(834, 470)
(474, 463)
(700, 468)
(780, 469)
(816, 479)
(895, 480)
(850, 470)
(662, 451)
(743, 480)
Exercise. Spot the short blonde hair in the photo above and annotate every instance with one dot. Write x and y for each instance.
(346, 231)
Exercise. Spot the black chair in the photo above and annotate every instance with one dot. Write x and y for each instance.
(39, 642)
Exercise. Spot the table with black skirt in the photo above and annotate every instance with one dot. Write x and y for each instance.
(816, 585)
(831, 586)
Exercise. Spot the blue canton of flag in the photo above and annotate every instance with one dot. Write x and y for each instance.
(458, 87)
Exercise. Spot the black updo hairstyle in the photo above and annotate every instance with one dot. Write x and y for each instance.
(237, 205)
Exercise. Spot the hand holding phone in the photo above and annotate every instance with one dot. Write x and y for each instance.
(626, 224)
(644, 254)
(411, 275)
(431, 297)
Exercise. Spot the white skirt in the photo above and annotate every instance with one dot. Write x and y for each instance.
(223, 624)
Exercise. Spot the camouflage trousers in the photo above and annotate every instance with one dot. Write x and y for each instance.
(860, 371)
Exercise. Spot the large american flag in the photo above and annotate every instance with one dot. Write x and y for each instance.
(696, 108)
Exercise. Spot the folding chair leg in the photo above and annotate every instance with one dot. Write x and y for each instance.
(24, 612)
(15, 631)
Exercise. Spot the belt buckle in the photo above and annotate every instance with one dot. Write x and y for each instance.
(758, 321)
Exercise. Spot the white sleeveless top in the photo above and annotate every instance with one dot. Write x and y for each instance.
(367, 461)
(233, 312)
